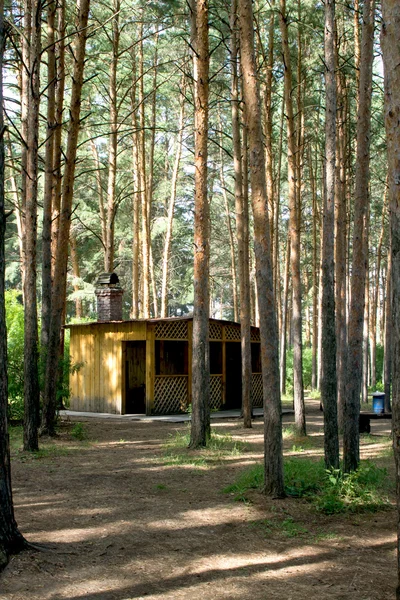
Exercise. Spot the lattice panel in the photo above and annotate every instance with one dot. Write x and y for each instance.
(170, 394)
(255, 334)
(215, 331)
(215, 391)
(256, 390)
(171, 330)
(232, 333)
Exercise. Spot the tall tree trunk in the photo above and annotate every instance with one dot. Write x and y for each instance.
(388, 352)
(60, 272)
(268, 127)
(11, 541)
(58, 133)
(315, 266)
(143, 184)
(328, 383)
(365, 346)
(375, 295)
(113, 142)
(200, 354)
(391, 60)
(100, 192)
(31, 350)
(150, 183)
(285, 304)
(351, 453)
(341, 245)
(49, 179)
(228, 223)
(136, 199)
(171, 205)
(242, 228)
(76, 273)
(273, 459)
(294, 228)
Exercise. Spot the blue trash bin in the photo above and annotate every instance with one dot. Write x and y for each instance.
(378, 402)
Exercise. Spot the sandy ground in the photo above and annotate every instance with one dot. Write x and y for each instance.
(122, 522)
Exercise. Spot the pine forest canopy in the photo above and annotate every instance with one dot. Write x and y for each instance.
(144, 54)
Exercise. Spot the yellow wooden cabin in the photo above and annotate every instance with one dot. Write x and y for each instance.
(144, 366)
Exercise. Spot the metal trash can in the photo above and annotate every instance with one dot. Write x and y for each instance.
(378, 402)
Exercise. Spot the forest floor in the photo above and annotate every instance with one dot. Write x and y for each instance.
(126, 515)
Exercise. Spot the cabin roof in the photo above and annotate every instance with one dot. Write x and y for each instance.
(158, 320)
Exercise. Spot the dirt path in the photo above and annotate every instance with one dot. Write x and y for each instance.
(124, 522)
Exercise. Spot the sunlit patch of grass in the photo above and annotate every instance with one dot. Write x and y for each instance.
(368, 438)
(331, 492)
(219, 447)
(288, 527)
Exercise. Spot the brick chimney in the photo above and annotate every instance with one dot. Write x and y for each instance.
(109, 297)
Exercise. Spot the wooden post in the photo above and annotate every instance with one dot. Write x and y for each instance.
(122, 400)
(223, 366)
(150, 368)
(190, 343)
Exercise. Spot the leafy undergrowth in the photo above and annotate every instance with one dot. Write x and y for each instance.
(219, 447)
(330, 491)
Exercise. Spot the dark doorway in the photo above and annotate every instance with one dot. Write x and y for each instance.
(135, 377)
(233, 376)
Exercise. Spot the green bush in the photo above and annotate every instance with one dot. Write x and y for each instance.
(15, 351)
(330, 491)
(79, 431)
(307, 368)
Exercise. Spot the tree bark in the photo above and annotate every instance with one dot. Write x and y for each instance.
(273, 458)
(49, 179)
(315, 269)
(143, 184)
(388, 352)
(285, 304)
(329, 382)
(171, 205)
(294, 229)
(60, 271)
(375, 295)
(31, 341)
(58, 133)
(351, 452)
(242, 228)
(391, 60)
(200, 356)
(341, 245)
(113, 142)
(229, 224)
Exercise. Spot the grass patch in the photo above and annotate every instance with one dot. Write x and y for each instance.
(288, 528)
(331, 492)
(219, 446)
(47, 449)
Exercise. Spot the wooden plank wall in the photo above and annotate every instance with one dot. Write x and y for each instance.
(97, 386)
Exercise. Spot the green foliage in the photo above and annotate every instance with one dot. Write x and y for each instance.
(15, 351)
(359, 491)
(307, 368)
(331, 491)
(79, 432)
